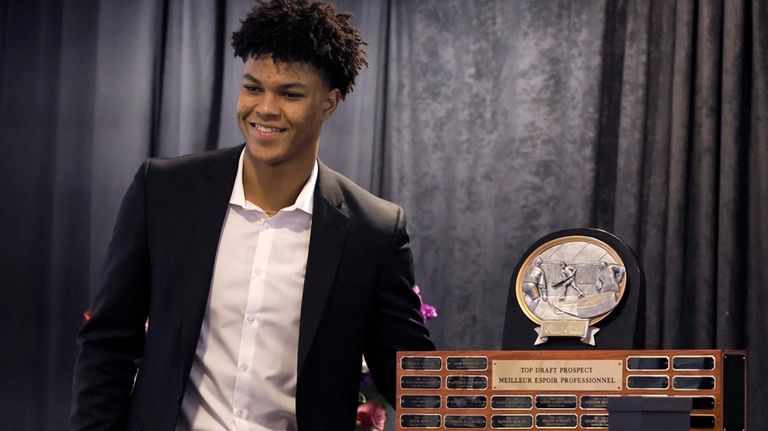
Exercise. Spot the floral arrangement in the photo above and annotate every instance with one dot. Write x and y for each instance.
(372, 408)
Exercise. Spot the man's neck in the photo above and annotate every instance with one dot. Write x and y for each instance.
(273, 187)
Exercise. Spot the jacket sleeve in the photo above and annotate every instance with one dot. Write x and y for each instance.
(112, 340)
(398, 324)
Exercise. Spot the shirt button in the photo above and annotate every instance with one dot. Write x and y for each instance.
(239, 413)
(243, 367)
(250, 320)
(259, 273)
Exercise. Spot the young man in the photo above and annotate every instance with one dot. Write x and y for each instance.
(264, 274)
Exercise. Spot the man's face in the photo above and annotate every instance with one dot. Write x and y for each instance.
(280, 110)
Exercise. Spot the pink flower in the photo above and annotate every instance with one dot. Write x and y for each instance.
(427, 311)
(371, 416)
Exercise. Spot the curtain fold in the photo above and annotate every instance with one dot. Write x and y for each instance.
(732, 188)
(352, 139)
(704, 162)
(492, 118)
(189, 66)
(754, 242)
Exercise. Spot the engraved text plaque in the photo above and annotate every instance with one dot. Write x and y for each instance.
(563, 389)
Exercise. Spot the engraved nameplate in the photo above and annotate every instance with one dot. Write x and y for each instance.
(702, 421)
(594, 402)
(647, 382)
(467, 363)
(511, 422)
(421, 363)
(702, 383)
(693, 363)
(556, 421)
(466, 402)
(554, 375)
(420, 382)
(420, 401)
(647, 363)
(420, 421)
(466, 382)
(703, 403)
(464, 421)
(594, 421)
(519, 402)
(555, 401)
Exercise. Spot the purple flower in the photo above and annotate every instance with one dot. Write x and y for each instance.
(427, 311)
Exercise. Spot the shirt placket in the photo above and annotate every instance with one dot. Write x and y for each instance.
(251, 322)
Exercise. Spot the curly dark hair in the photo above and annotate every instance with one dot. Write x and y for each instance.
(304, 31)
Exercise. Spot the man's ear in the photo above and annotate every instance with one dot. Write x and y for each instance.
(331, 102)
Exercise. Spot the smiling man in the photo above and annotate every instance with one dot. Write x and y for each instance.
(264, 274)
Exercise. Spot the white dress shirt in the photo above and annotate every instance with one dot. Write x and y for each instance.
(243, 375)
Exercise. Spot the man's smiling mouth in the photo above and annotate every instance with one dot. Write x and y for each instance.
(266, 129)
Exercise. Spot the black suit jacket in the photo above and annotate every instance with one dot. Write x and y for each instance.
(357, 297)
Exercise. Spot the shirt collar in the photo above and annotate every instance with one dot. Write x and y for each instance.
(304, 201)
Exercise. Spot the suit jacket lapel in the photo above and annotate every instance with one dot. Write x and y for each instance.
(329, 227)
(210, 200)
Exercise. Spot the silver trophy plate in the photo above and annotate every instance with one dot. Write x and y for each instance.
(569, 284)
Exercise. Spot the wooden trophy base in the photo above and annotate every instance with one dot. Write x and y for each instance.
(564, 389)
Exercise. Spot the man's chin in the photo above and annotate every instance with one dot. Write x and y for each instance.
(265, 159)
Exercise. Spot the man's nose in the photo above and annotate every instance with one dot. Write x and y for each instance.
(267, 107)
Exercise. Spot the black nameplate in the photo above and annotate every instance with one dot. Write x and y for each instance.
(467, 382)
(734, 388)
(420, 401)
(421, 363)
(693, 363)
(471, 363)
(703, 383)
(594, 421)
(647, 382)
(556, 421)
(555, 401)
(420, 421)
(466, 402)
(464, 421)
(702, 421)
(648, 363)
(703, 403)
(420, 382)
(594, 402)
(511, 422)
(524, 402)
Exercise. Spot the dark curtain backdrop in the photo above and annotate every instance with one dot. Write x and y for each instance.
(492, 122)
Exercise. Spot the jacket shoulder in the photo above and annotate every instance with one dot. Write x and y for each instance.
(192, 164)
(360, 203)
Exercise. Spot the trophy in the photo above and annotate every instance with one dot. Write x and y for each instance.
(567, 287)
(567, 389)
(570, 285)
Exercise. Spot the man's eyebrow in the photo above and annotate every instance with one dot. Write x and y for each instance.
(293, 85)
(286, 86)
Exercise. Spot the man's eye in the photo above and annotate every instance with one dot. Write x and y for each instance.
(251, 88)
(293, 96)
